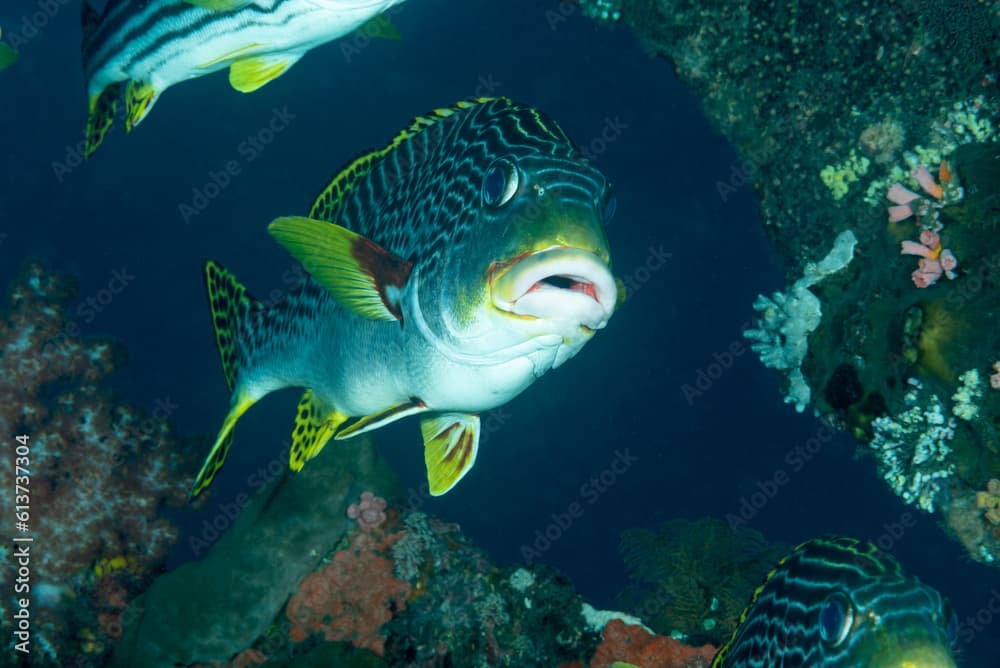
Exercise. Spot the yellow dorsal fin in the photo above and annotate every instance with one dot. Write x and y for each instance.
(329, 201)
(362, 276)
(382, 418)
(451, 441)
(249, 74)
(315, 423)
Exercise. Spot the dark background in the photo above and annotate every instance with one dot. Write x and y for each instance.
(624, 391)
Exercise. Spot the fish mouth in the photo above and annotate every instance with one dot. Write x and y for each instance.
(559, 283)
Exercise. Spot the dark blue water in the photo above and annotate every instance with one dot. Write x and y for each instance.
(695, 262)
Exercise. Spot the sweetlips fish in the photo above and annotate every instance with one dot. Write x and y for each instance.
(446, 272)
(841, 603)
(146, 46)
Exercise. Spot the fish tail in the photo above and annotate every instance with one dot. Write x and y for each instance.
(89, 18)
(101, 116)
(232, 308)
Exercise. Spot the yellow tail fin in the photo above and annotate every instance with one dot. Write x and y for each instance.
(217, 457)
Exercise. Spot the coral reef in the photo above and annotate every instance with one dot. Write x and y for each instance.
(369, 511)
(912, 448)
(633, 644)
(787, 319)
(95, 474)
(832, 127)
(352, 596)
(693, 579)
(213, 609)
(989, 501)
(341, 596)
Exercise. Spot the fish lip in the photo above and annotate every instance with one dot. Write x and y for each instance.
(560, 282)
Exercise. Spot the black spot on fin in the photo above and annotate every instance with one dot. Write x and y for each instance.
(315, 423)
(101, 116)
(230, 305)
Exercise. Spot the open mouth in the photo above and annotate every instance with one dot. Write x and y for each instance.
(558, 283)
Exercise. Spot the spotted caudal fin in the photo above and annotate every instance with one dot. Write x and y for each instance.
(101, 107)
(315, 422)
(231, 307)
(101, 116)
(451, 441)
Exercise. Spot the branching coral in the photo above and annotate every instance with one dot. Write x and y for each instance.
(912, 448)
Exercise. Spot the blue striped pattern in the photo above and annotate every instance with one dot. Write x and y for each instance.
(895, 620)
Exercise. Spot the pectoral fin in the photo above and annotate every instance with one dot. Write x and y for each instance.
(219, 4)
(249, 74)
(315, 423)
(382, 418)
(140, 96)
(621, 290)
(362, 276)
(451, 441)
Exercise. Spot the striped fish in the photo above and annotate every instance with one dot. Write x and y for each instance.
(146, 46)
(841, 603)
(447, 272)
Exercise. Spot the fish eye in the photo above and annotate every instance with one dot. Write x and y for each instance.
(836, 618)
(610, 205)
(500, 183)
(951, 630)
